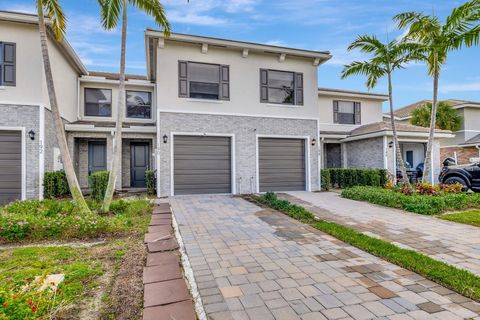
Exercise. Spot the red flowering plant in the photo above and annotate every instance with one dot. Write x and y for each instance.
(426, 189)
(451, 188)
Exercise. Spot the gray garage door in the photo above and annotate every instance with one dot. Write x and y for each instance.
(202, 165)
(10, 166)
(281, 164)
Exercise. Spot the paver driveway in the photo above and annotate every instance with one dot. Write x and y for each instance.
(254, 263)
(454, 243)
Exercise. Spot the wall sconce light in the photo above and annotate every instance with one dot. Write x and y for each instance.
(390, 144)
(31, 134)
(314, 142)
(165, 138)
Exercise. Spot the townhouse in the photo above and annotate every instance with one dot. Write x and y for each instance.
(210, 116)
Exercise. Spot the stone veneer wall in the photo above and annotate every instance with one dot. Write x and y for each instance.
(245, 130)
(366, 153)
(28, 117)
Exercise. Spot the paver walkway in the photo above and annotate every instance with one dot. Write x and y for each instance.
(454, 243)
(254, 263)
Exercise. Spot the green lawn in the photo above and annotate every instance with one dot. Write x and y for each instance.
(466, 217)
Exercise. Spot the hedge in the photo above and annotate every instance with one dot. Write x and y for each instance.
(97, 183)
(347, 178)
(151, 181)
(422, 204)
(55, 185)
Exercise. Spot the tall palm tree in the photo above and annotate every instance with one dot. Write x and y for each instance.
(112, 10)
(460, 28)
(58, 24)
(387, 57)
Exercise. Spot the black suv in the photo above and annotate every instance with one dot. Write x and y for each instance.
(468, 175)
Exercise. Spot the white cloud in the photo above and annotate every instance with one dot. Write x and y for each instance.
(195, 19)
(20, 8)
(459, 87)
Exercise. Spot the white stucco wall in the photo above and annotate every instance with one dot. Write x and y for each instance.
(244, 81)
(471, 119)
(371, 111)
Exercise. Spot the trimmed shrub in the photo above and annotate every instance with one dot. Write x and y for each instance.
(55, 185)
(418, 203)
(97, 183)
(347, 178)
(326, 183)
(151, 181)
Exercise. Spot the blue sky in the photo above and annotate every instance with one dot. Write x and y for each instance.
(311, 24)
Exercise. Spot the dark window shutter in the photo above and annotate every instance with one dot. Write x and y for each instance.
(8, 64)
(358, 113)
(225, 82)
(335, 111)
(183, 79)
(299, 89)
(263, 85)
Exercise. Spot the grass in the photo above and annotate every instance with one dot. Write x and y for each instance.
(461, 281)
(466, 217)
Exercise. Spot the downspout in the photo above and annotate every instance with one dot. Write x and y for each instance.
(319, 156)
(157, 153)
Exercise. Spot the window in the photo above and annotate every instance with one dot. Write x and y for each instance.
(98, 102)
(139, 104)
(7, 64)
(203, 81)
(281, 87)
(346, 112)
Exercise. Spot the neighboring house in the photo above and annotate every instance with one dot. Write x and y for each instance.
(210, 116)
(465, 144)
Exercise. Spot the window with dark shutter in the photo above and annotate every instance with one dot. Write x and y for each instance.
(203, 80)
(281, 87)
(7, 64)
(182, 79)
(263, 85)
(225, 82)
(335, 111)
(358, 113)
(299, 89)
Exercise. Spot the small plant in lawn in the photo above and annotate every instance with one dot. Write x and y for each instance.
(97, 183)
(151, 181)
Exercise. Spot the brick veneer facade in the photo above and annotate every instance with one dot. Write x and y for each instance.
(464, 154)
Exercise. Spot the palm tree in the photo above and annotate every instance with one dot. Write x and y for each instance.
(447, 118)
(387, 57)
(460, 28)
(58, 24)
(111, 12)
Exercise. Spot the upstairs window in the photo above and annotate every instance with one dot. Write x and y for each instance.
(98, 102)
(7, 64)
(139, 104)
(281, 87)
(346, 112)
(203, 81)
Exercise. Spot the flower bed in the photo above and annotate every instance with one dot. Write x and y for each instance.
(423, 200)
(55, 219)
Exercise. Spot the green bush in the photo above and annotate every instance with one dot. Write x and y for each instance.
(347, 178)
(422, 204)
(60, 219)
(97, 183)
(293, 210)
(55, 185)
(151, 181)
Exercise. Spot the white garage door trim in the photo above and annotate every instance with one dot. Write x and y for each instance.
(24, 168)
(307, 157)
(172, 162)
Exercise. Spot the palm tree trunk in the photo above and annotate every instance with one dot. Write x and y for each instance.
(59, 126)
(117, 145)
(398, 151)
(433, 122)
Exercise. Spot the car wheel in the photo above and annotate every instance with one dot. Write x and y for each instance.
(454, 180)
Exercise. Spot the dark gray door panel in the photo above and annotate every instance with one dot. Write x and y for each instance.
(281, 164)
(97, 156)
(10, 166)
(202, 165)
(139, 162)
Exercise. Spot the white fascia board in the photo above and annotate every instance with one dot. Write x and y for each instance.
(132, 82)
(352, 95)
(92, 128)
(400, 135)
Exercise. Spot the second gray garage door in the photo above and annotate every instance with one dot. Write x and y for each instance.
(281, 164)
(202, 165)
(10, 166)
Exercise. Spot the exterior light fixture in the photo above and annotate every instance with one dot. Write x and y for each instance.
(390, 144)
(31, 134)
(165, 138)
(314, 142)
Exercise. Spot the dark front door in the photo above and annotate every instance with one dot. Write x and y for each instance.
(139, 162)
(97, 156)
(10, 166)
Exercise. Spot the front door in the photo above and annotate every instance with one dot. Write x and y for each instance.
(139, 162)
(97, 156)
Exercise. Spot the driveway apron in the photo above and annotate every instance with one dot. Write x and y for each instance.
(454, 243)
(255, 263)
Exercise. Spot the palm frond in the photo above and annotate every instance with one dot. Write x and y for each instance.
(155, 9)
(463, 17)
(111, 11)
(367, 44)
(366, 68)
(57, 17)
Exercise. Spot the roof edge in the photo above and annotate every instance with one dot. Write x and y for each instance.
(371, 95)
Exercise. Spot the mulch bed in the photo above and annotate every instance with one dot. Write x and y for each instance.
(166, 295)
